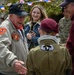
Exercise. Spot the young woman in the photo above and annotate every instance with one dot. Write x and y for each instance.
(37, 14)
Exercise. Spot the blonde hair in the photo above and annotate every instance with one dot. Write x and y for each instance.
(42, 10)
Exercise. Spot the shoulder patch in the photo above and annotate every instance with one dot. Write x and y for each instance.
(2, 31)
(15, 36)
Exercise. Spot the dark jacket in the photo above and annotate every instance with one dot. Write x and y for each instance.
(70, 43)
(33, 42)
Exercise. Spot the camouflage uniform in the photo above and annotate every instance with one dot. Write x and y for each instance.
(64, 28)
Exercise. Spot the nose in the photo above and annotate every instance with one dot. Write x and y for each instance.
(35, 14)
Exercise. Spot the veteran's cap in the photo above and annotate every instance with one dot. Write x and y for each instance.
(18, 9)
(66, 2)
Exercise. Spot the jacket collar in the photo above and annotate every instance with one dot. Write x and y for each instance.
(29, 23)
(47, 39)
(47, 42)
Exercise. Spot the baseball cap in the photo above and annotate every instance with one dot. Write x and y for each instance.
(18, 9)
(49, 25)
(66, 2)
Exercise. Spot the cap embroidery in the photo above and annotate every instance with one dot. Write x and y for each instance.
(21, 7)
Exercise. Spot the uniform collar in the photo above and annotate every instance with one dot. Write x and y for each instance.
(47, 39)
(47, 42)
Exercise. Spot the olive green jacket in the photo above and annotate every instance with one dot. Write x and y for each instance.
(54, 61)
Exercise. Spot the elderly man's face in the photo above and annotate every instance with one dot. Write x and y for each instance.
(70, 8)
(66, 13)
(17, 20)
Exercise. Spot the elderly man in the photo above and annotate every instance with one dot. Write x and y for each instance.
(64, 26)
(13, 45)
(49, 58)
(69, 5)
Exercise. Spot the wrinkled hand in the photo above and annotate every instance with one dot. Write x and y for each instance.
(19, 68)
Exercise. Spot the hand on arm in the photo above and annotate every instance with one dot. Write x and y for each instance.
(19, 68)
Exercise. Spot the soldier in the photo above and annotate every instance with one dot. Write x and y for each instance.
(13, 46)
(69, 5)
(64, 26)
(49, 58)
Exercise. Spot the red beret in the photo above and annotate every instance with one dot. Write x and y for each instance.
(49, 25)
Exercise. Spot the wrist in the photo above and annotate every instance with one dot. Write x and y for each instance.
(13, 62)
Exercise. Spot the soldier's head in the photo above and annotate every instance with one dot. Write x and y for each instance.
(48, 27)
(69, 5)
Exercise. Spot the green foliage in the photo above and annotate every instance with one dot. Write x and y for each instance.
(52, 8)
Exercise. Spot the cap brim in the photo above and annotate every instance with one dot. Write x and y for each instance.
(63, 4)
(23, 13)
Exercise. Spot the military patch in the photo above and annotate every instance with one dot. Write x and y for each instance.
(15, 36)
(47, 48)
(2, 31)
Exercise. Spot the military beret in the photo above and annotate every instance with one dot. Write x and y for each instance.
(49, 25)
(18, 9)
(66, 2)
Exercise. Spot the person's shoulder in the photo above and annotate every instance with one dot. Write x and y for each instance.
(35, 49)
(63, 47)
(61, 20)
(39, 22)
(28, 23)
(5, 23)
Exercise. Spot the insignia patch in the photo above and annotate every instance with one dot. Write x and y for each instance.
(15, 36)
(47, 48)
(2, 31)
